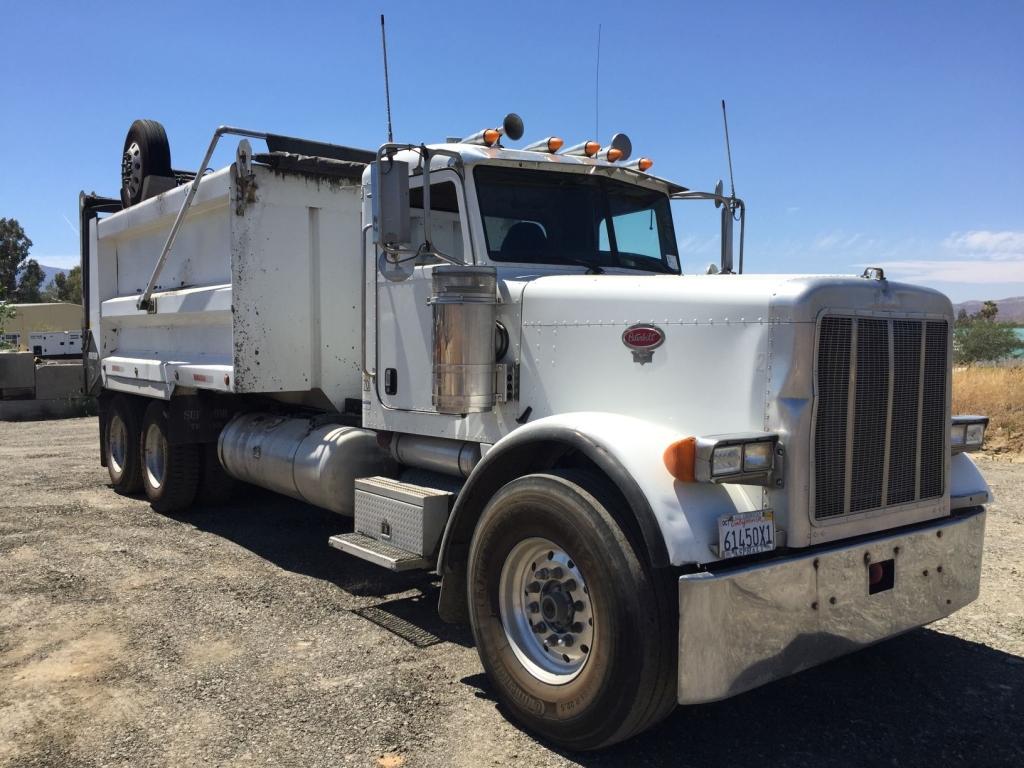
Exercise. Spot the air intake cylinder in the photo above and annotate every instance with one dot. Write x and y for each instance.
(465, 306)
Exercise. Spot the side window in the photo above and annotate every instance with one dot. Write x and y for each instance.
(445, 220)
(636, 234)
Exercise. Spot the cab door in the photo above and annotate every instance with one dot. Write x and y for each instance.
(404, 317)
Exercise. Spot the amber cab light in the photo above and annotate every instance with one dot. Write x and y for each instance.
(680, 457)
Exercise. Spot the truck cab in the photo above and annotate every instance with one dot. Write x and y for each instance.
(640, 487)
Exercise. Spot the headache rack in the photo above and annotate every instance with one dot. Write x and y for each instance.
(881, 416)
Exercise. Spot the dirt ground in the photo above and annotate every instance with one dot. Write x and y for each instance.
(237, 637)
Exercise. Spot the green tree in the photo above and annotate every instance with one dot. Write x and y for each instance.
(6, 313)
(70, 287)
(979, 338)
(14, 247)
(30, 283)
(65, 287)
(988, 311)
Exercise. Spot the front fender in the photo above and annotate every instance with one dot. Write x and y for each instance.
(967, 487)
(678, 520)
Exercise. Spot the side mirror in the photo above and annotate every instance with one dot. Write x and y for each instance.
(389, 182)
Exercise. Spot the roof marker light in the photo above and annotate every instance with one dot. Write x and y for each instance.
(642, 164)
(584, 148)
(551, 144)
(512, 126)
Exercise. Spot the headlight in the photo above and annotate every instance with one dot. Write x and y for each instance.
(967, 433)
(749, 458)
(727, 460)
(757, 457)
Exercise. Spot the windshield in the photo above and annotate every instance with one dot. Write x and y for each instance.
(551, 217)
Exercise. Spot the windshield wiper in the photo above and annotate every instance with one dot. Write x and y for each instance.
(592, 269)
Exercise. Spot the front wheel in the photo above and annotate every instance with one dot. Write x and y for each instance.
(574, 630)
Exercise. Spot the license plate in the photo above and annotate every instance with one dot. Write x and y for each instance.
(746, 533)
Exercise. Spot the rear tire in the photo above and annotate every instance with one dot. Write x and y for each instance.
(215, 485)
(146, 153)
(170, 473)
(541, 538)
(121, 445)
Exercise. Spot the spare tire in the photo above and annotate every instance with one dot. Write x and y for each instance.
(146, 153)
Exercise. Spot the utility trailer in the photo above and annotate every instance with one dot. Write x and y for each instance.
(640, 487)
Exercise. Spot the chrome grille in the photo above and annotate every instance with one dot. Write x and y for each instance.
(880, 421)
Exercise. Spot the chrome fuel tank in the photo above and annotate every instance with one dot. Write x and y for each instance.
(302, 458)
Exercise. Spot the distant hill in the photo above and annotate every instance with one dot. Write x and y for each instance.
(1010, 310)
(51, 271)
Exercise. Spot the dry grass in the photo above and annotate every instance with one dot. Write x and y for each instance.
(996, 392)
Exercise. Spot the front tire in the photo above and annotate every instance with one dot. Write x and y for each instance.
(170, 473)
(574, 630)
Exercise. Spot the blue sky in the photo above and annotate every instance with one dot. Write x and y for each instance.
(863, 133)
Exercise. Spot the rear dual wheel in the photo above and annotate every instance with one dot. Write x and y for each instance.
(121, 445)
(170, 473)
(576, 632)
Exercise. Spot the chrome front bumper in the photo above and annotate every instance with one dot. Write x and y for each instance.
(743, 628)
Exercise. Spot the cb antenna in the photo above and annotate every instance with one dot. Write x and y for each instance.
(728, 149)
(387, 87)
(597, 87)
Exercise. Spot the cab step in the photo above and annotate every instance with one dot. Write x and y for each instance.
(379, 552)
(397, 525)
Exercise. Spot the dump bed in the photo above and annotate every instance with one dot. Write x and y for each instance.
(259, 294)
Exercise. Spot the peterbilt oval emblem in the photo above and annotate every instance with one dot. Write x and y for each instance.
(643, 339)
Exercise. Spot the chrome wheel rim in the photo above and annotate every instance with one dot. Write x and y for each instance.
(131, 169)
(117, 443)
(546, 611)
(155, 450)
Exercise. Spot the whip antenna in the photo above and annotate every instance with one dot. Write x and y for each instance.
(387, 87)
(728, 149)
(597, 87)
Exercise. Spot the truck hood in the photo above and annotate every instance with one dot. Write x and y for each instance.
(723, 337)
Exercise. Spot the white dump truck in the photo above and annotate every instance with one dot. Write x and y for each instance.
(640, 487)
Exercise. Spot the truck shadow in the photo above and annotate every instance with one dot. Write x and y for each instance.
(924, 698)
(293, 536)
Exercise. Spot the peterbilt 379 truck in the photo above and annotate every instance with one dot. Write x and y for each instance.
(640, 487)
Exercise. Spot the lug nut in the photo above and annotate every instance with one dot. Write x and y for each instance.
(552, 640)
(570, 585)
(543, 574)
(567, 640)
(533, 586)
(578, 605)
(577, 627)
(534, 607)
(556, 573)
(539, 627)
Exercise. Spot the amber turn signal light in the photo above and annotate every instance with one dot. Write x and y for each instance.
(614, 154)
(680, 457)
(644, 163)
(491, 136)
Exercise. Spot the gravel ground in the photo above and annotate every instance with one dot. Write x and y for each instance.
(236, 636)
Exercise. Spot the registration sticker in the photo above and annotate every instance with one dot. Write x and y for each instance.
(746, 533)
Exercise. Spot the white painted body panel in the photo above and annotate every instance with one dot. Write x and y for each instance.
(263, 302)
